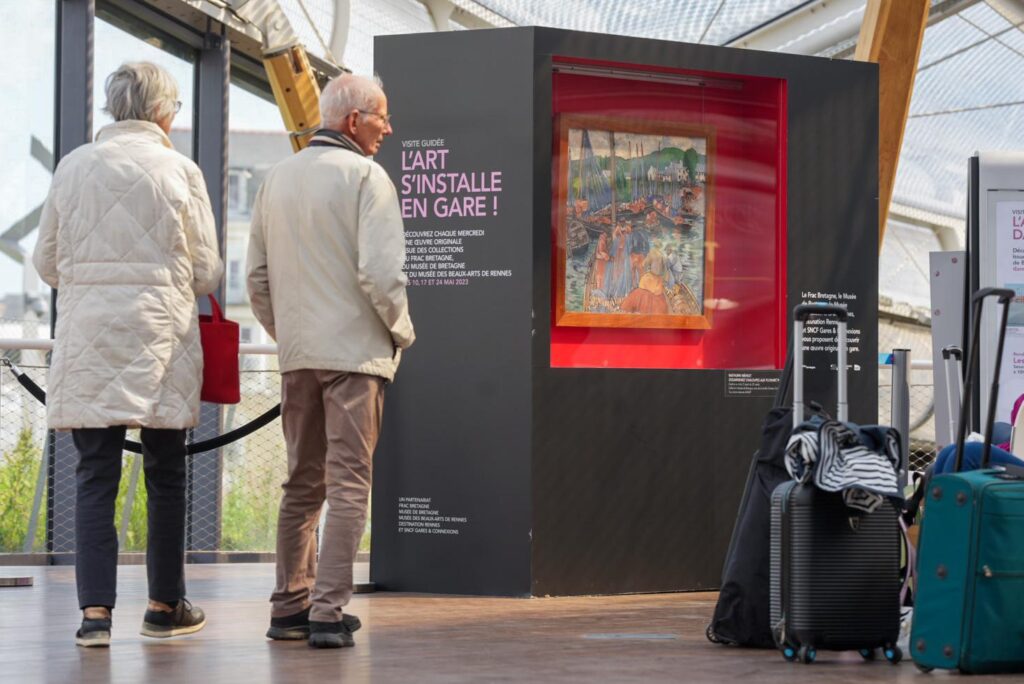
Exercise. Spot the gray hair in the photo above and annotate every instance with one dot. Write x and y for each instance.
(141, 90)
(345, 93)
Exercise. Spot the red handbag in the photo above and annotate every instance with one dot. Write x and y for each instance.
(219, 337)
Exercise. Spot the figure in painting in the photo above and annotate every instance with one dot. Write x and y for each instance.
(638, 252)
(601, 259)
(674, 268)
(649, 297)
(618, 279)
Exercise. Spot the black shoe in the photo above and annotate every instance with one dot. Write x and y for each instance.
(93, 632)
(296, 626)
(184, 619)
(329, 634)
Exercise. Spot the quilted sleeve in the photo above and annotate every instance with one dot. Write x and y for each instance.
(382, 255)
(44, 258)
(201, 234)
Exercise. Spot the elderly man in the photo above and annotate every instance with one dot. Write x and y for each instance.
(325, 279)
(128, 239)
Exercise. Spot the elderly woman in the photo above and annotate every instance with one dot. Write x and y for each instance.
(128, 240)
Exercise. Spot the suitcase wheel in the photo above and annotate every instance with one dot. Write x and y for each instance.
(923, 668)
(893, 654)
(807, 654)
(712, 637)
(867, 653)
(789, 653)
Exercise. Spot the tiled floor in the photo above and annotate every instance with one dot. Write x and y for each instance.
(405, 638)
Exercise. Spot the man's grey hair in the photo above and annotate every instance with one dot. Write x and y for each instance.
(141, 90)
(345, 93)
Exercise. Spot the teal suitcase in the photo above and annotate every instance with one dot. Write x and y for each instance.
(969, 609)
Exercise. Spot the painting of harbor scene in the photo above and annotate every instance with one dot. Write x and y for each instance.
(634, 221)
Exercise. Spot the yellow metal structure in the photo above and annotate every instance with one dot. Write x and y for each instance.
(296, 91)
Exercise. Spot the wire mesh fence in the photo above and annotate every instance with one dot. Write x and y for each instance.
(23, 472)
(233, 492)
(922, 413)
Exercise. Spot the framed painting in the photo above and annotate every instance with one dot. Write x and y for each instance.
(634, 223)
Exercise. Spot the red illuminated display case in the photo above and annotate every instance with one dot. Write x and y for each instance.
(686, 268)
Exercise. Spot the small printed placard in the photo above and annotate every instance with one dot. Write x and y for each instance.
(751, 383)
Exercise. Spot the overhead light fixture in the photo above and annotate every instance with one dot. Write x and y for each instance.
(649, 76)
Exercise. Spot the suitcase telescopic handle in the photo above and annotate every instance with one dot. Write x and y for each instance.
(952, 357)
(805, 311)
(1003, 296)
(801, 314)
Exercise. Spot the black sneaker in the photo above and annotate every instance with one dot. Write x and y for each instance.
(295, 627)
(93, 632)
(329, 634)
(184, 619)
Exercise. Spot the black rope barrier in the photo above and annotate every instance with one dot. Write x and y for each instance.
(134, 447)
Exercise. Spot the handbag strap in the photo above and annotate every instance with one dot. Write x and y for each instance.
(218, 315)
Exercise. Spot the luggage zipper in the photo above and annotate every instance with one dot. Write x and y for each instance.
(989, 573)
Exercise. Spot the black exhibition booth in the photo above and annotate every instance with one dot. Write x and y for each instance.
(580, 408)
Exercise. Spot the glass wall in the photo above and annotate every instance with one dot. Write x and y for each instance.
(119, 40)
(255, 466)
(26, 147)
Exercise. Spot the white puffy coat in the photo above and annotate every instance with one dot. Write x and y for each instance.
(326, 252)
(128, 239)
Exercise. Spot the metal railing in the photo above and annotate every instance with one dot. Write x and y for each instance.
(907, 386)
(36, 512)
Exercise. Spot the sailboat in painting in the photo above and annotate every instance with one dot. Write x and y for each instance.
(635, 224)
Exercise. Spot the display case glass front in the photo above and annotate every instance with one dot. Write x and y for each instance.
(668, 218)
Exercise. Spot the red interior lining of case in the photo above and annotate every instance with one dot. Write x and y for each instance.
(749, 221)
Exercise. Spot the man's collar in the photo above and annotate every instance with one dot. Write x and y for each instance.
(325, 137)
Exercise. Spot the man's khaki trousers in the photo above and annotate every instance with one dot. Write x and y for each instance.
(331, 421)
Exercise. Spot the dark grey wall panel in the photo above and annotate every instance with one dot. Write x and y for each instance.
(457, 419)
(629, 499)
(205, 471)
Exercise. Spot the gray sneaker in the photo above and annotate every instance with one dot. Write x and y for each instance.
(295, 627)
(330, 634)
(94, 632)
(184, 619)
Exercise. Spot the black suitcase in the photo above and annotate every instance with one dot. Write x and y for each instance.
(835, 580)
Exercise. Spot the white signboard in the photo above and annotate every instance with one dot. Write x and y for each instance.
(1009, 228)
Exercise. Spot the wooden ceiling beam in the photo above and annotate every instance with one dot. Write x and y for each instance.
(891, 36)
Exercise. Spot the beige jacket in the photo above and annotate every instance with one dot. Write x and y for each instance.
(128, 239)
(326, 253)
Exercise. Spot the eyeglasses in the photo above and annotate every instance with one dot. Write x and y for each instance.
(385, 118)
(177, 106)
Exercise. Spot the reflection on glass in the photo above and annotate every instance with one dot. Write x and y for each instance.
(26, 147)
(118, 42)
(253, 466)
(670, 218)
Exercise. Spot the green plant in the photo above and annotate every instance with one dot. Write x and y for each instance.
(19, 471)
(249, 514)
(136, 536)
